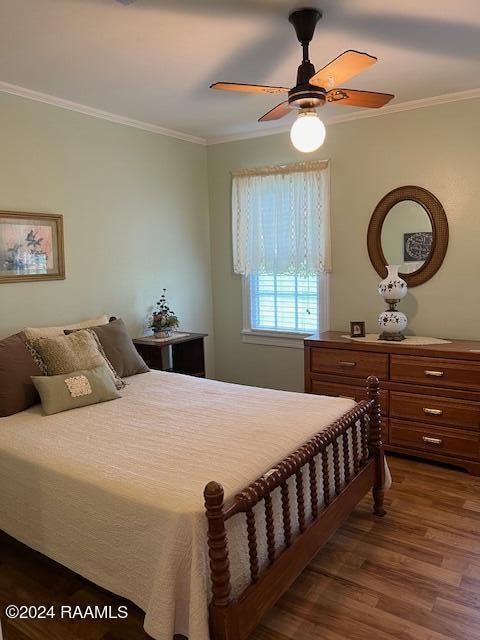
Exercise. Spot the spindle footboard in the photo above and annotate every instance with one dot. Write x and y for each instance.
(330, 497)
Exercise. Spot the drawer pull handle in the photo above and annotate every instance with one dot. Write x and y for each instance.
(434, 374)
(432, 412)
(429, 440)
(345, 363)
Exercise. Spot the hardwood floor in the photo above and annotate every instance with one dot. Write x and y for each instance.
(413, 575)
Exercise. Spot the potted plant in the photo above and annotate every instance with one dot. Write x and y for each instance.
(164, 321)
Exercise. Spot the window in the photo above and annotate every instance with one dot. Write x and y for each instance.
(282, 310)
(281, 247)
(284, 303)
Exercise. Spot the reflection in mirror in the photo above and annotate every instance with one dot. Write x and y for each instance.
(406, 236)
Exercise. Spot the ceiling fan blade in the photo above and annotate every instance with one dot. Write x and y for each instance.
(277, 112)
(248, 88)
(354, 98)
(345, 66)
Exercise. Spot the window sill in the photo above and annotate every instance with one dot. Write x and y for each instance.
(275, 338)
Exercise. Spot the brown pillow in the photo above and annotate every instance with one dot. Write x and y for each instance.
(17, 391)
(119, 348)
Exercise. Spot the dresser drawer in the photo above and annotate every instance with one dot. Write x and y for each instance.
(442, 440)
(435, 372)
(354, 393)
(352, 363)
(348, 391)
(435, 410)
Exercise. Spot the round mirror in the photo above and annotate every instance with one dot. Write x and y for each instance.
(406, 236)
(408, 228)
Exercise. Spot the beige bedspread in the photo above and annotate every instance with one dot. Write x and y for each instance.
(114, 491)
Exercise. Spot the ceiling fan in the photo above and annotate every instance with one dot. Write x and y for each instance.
(314, 89)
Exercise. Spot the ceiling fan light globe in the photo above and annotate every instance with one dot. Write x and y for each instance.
(308, 132)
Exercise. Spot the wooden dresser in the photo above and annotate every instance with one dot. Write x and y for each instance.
(430, 395)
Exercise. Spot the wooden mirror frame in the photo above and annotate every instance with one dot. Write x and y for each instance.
(438, 220)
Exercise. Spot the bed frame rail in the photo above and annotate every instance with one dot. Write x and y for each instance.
(362, 468)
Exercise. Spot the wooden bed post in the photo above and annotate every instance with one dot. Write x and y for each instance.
(217, 545)
(219, 563)
(375, 444)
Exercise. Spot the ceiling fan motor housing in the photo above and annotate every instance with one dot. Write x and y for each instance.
(306, 96)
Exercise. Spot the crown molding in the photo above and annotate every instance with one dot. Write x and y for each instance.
(16, 90)
(360, 115)
(13, 89)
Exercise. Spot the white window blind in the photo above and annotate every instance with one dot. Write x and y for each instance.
(284, 303)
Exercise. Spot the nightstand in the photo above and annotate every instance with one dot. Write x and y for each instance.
(182, 353)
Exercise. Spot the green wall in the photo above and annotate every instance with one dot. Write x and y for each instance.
(144, 211)
(437, 148)
(135, 208)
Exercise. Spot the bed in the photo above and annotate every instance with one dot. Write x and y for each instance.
(115, 492)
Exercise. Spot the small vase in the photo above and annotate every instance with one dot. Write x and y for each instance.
(163, 333)
(392, 287)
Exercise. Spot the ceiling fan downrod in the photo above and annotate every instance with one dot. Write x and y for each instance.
(303, 95)
(304, 22)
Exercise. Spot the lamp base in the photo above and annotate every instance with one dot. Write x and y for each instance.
(392, 337)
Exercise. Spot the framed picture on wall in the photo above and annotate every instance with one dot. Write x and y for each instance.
(31, 247)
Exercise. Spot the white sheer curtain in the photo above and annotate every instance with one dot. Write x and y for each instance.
(281, 220)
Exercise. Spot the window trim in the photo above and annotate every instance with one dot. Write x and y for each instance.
(284, 338)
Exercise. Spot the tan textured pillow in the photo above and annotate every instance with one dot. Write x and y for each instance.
(119, 349)
(77, 351)
(51, 332)
(76, 389)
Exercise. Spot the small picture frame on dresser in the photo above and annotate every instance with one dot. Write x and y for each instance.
(357, 329)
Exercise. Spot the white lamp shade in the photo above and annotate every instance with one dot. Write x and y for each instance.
(308, 132)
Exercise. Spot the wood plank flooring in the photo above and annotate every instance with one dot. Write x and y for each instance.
(413, 575)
